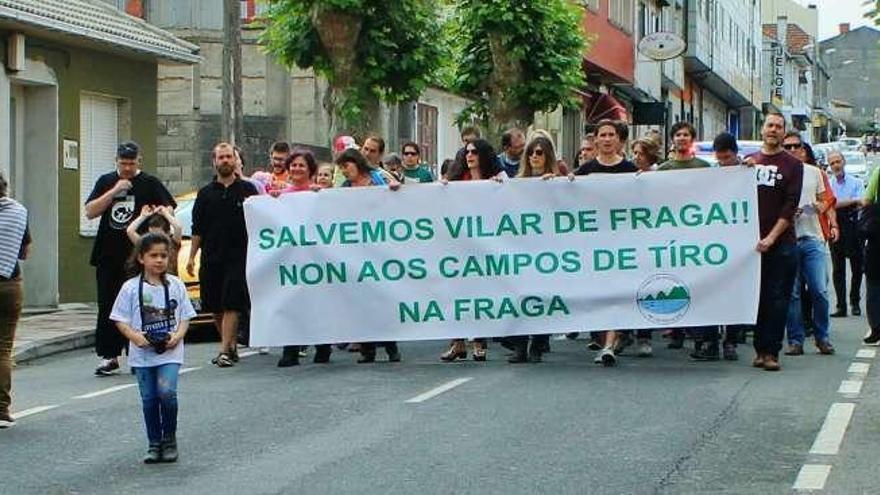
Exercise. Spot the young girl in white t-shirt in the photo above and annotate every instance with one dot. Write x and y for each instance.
(153, 311)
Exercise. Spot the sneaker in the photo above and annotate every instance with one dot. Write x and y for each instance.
(644, 349)
(6, 420)
(594, 345)
(730, 353)
(606, 358)
(154, 454)
(303, 352)
(872, 338)
(107, 367)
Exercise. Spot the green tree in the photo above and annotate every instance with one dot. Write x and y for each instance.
(368, 50)
(516, 58)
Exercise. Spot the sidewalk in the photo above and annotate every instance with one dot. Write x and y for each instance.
(43, 333)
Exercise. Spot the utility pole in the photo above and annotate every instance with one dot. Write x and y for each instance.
(231, 118)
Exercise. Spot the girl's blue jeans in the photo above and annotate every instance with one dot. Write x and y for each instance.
(158, 386)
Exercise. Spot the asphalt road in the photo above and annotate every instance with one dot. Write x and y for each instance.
(657, 425)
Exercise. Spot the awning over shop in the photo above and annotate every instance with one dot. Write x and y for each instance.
(598, 106)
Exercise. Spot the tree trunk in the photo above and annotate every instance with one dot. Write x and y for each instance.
(339, 32)
(504, 111)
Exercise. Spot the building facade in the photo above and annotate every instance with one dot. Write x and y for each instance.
(853, 59)
(79, 76)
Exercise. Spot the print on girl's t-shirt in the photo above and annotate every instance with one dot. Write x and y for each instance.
(157, 320)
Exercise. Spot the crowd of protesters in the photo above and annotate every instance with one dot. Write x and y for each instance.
(144, 307)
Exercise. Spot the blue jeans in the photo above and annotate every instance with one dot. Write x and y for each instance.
(158, 386)
(778, 266)
(813, 269)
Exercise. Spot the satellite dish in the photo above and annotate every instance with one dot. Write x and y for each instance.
(662, 46)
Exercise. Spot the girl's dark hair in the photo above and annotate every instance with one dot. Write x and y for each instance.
(550, 165)
(307, 155)
(148, 240)
(354, 156)
(158, 221)
(488, 161)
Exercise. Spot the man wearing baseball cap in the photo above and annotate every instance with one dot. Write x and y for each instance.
(116, 199)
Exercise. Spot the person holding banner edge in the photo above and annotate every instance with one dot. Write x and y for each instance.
(608, 161)
(539, 160)
(301, 169)
(780, 178)
(481, 163)
(359, 173)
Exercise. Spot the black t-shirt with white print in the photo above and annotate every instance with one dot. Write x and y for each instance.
(112, 245)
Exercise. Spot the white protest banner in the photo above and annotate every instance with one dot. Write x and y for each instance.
(482, 259)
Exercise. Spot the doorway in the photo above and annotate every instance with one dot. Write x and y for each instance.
(34, 182)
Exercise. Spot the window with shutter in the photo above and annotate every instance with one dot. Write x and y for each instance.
(99, 135)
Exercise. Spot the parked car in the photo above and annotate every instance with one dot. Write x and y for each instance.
(704, 150)
(183, 213)
(851, 144)
(857, 165)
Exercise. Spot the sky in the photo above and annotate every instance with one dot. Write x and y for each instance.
(834, 12)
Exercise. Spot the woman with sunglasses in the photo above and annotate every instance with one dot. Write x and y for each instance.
(539, 160)
(481, 163)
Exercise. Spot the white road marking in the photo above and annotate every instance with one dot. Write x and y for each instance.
(32, 411)
(248, 354)
(833, 429)
(850, 387)
(105, 391)
(866, 353)
(812, 477)
(859, 368)
(434, 392)
(187, 370)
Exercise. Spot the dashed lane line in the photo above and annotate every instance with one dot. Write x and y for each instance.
(850, 387)
(187, 370)
(866, 354)
(812, 477)
(34, 410)
(105, 391)
(833, 429)
(861, 368)
(434, 392)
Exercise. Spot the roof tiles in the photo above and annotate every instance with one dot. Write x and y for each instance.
(99, 22)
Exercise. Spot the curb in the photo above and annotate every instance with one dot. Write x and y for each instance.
(78, 338)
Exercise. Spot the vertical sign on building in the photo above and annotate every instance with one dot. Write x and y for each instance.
(777, 95)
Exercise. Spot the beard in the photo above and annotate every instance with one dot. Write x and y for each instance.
(225, 170)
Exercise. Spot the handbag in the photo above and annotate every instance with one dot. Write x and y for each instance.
(868, 221)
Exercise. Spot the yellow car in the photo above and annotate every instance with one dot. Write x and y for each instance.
(183, 213)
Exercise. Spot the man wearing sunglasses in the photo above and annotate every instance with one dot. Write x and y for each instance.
(413, 169)
(810, 253)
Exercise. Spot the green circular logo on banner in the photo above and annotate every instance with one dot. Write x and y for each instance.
(663, 299)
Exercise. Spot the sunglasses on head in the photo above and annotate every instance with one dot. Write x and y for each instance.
(537, 152)
(792, 146)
